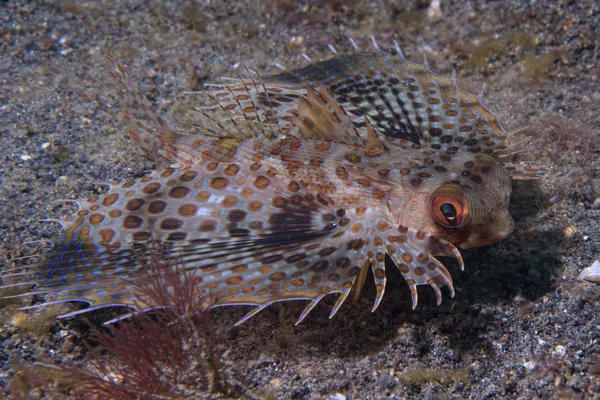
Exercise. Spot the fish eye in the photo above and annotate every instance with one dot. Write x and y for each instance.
(449, 206)
(448, 211)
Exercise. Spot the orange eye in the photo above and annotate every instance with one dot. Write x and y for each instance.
(449, 207)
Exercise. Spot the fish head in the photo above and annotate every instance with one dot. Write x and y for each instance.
(466, 204)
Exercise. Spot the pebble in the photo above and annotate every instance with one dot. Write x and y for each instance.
(387, 381)
(559, 351)
(530, 365)
(297, 41)
(62, 334)
(434, 12)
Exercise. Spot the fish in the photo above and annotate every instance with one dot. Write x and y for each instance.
(321, 174)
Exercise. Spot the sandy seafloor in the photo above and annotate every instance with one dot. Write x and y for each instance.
(521, 325)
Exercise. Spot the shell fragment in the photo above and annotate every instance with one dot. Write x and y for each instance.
(591, 273)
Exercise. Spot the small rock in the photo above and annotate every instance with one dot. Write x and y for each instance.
(387, 381)
(591, 273)
(300, 392)
(337, 396)
(434, 12)
(297, 41)
(569, 231)
(276, 383)
(530, 365)
(559, 351)
(44, 43)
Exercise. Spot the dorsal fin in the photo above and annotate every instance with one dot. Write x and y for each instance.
(167, 146)
(144, 125)
(320, 116)
(402, 101)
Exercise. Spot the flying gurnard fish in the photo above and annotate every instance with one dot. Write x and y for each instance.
(338, 166)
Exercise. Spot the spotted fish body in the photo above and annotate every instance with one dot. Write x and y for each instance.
(373, 156)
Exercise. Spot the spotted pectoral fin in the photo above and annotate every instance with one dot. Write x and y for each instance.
(305, 271)
(414, 253)
(256, 240)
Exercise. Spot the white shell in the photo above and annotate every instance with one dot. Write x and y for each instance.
(591, 273)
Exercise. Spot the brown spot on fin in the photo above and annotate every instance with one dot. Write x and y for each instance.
(279, 242)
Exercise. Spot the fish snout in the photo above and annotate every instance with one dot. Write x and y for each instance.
(490, 233)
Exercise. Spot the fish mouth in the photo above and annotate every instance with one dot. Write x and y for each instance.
(483, 242)
(485, 238)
